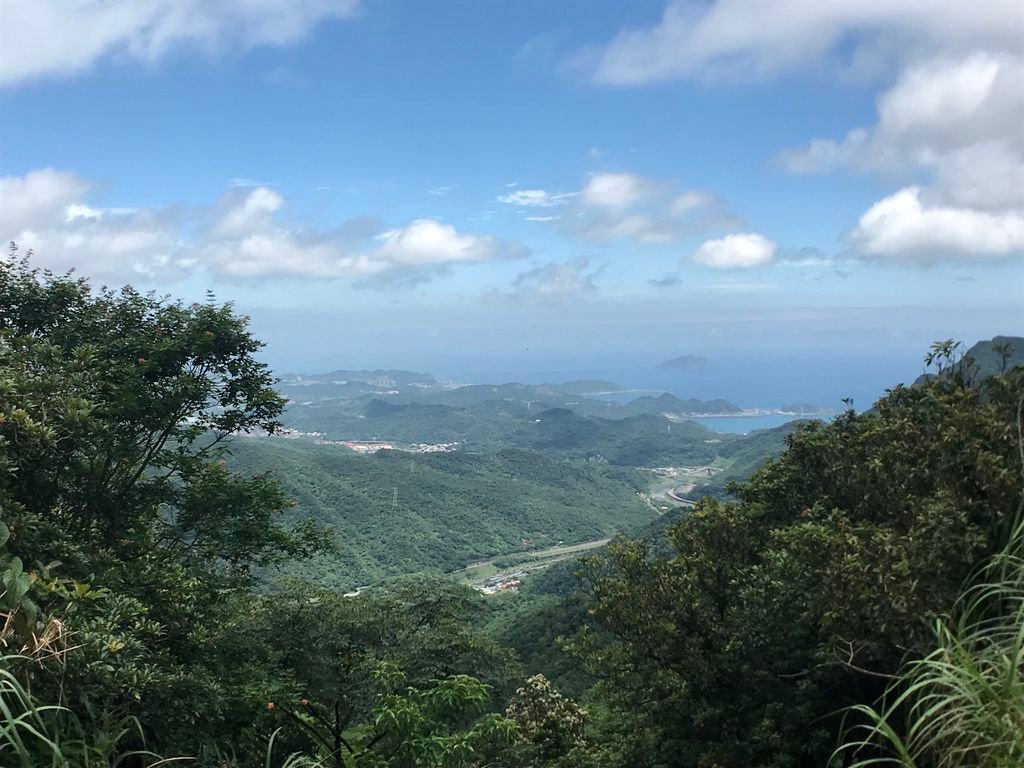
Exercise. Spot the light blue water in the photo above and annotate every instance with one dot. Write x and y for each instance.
(743, 424)
(767, 383)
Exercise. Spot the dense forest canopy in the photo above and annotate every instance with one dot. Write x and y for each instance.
(392, 513)
(756, 628)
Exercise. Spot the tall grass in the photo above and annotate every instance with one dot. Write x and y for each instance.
(34, 735)
(962, 706)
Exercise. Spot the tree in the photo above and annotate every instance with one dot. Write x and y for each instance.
(119, 522)
(549, 724)
(773, 613)
(423, 630)
(962, 705)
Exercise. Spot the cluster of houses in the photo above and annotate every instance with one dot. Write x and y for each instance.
(432, 447)
(359, 446)
(674, 472)
(502, 582)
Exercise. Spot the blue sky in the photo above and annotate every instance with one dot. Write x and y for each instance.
(407, 182)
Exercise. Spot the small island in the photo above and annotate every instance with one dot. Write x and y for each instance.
(686, 363)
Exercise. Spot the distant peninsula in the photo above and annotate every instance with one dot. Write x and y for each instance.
(686, 362)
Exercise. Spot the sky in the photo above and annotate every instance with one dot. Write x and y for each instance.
(482, 186)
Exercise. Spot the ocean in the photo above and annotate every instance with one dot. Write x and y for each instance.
(743, 424)
(766, 384)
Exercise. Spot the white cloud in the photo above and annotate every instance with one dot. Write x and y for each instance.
(692, 200)
(615, 190)
(427, 242)
(936, 108)
(558, 280)
(741, 251)
(952, 120)
(985, 175)
(938, 93)
(823, 155)
(959, 122)
(47, 38)
(241, 181)
(439, 191)
(283, 253)
(243, 235)
(81, 211)
(625, 206)
(639, 227)
(43, 211)
(757, 38)
(106, 243)
(255, 212)
(37, 198)
(902, 227)
(535, 198)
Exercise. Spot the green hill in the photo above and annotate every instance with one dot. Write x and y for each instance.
(635, 441)
(668, 403)
(395, 513)
(987, 356)
(645, 439)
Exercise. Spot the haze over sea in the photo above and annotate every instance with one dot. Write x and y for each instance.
(765, 383)
(814, 356)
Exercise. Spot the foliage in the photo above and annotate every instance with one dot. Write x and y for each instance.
(33, 735)
(563, 426)
(395, 513)
(547, 721)
(411, 727)
(121, 534)
(964, 702)
(777, 611)
(142, 605)
(549, 608)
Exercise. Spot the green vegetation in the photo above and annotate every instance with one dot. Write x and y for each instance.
(983, 359)
(742, 457)
(162, 598)
(667, 403)
(394, 513)
(964, 701)
(644, 439)
(126, 549)
(773, 613)
(996, 355)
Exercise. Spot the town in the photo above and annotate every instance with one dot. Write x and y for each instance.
(359, 446)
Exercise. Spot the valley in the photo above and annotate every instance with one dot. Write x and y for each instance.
(488, 484)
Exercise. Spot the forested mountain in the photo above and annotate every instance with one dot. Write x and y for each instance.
(395, 513)
(996, 355)
(645, 439)
(982, 359)
(479, 413)
(668, 403)
(161, 602)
